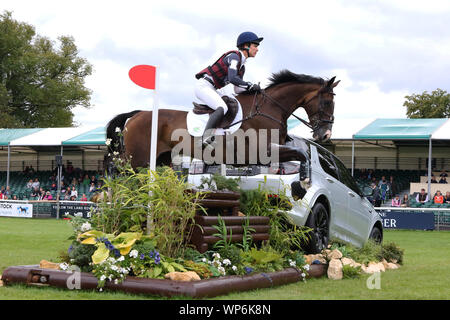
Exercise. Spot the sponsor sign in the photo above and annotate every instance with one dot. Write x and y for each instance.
(22, 210)
(414, 220)
(72, 209)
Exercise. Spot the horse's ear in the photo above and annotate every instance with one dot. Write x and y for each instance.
(330, 82)
(336, 83)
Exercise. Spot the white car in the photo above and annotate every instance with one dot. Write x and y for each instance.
(324, 195)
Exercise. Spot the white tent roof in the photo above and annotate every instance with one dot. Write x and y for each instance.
(343, 129)
(50, 136)
(443, 132)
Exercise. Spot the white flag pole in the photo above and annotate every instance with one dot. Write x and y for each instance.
(154, 132)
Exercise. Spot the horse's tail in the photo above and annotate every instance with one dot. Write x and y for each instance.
(115, 139)
(117, 122)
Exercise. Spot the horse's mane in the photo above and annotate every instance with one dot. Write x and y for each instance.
(285, 76)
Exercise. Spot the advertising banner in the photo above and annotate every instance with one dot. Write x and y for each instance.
(76, 209)
(21, 210)
(414, 220)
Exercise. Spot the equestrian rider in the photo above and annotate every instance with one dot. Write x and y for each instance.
(229, 68)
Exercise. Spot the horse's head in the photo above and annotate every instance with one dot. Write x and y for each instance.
(319, 106)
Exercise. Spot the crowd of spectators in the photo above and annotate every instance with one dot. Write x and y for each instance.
(72, 180)
(384, 190)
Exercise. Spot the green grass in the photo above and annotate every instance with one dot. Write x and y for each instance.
(424, 275)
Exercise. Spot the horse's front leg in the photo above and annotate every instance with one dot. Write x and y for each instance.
(283, 153)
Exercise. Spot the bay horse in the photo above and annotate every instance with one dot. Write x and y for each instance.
(268, 109)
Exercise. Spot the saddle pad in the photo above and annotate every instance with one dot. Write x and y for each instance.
(196, 123)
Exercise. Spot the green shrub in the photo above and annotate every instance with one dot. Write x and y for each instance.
(391, 252)
(81, 255)
(350, 272)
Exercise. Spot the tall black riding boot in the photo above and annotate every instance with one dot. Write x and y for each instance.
(214, 120)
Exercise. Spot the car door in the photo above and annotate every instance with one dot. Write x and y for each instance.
(338, 195)
(358, 212)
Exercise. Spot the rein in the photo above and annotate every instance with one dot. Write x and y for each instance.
(283, 125)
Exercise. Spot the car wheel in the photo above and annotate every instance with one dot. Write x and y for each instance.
(318, 221)
(376, 235)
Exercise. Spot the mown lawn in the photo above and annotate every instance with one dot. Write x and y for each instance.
(424, 275)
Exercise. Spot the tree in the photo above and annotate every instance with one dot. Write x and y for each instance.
(425, 105)
(39, 84)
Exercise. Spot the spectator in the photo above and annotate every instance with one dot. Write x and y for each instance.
(36, 183)
(34, 193)
(393, 185)
(433, 179)
(447, 197)
(443, 174)
(73, 198)
(30, 184)
(74, 193)
(93, 179)
(41, 194)
(54, 187)
(63, 187)
(438, 198)
(2, 191)
(384, 187)
(375, 197)
(14, 197)
(92, 188)
(443, 180)
(48, 196)
(67, 193)
(69, 168)
(1, 196)
(83, 197)
(405, 201)
(86, 180)
(7, 192)
(422, 197)
(396, 201)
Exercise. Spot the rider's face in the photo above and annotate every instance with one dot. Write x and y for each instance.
(253, 49)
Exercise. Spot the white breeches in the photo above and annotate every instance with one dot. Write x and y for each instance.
(206, 93)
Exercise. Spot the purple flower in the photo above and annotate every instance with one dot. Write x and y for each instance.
(70, 249)
(142, 256)
(248, 270)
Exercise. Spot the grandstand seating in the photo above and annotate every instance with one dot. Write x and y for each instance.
(19, 180)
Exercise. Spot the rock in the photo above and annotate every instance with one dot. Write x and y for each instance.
(182, 276)
(335, 269)
(1, 282)
(373, 267)
(335, 254)
(352, 263)
(240, 214)
(391, 266)
(44, 264)
(311, 257)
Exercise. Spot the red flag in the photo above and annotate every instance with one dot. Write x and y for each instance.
(144, 76)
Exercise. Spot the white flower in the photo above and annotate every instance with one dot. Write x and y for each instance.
(292, 263)
(86, 227)
(234, 268)
(134, 253)
(64, 266)
(221, 270)
(117, 129)
(103, 278)
(108, 141)
(216, 255)
(101, 289)
(116, 281)
(226, 262)
(121, 258)
(114, 268)
(303, 275)
(306, 267)
(204, 260)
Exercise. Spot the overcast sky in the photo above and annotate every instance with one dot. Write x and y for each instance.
(380, 50)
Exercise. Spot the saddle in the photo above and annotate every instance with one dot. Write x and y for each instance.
(227, 119)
